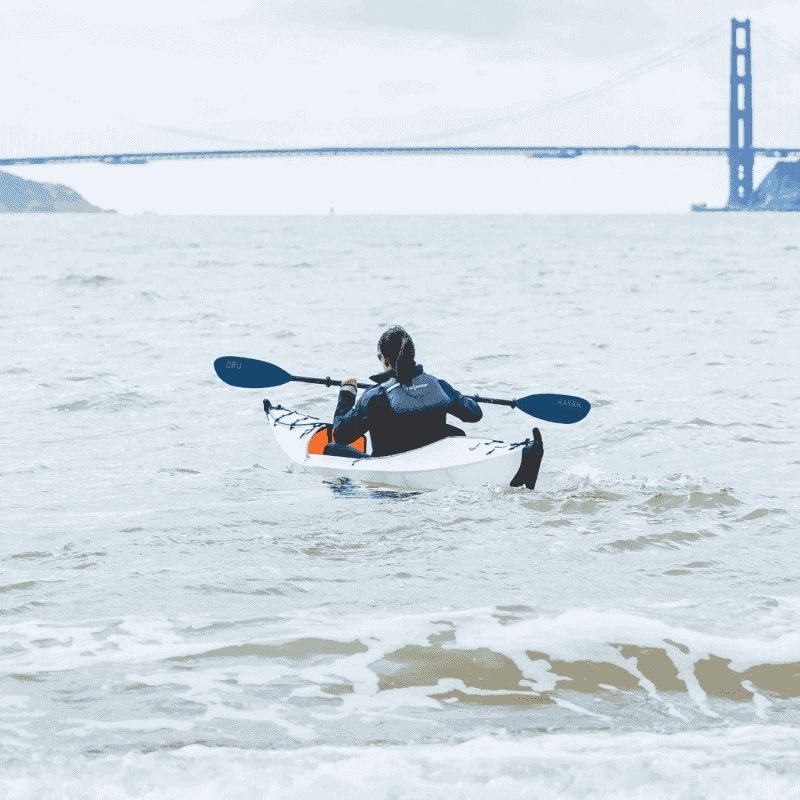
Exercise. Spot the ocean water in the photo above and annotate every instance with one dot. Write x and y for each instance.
(181, 617)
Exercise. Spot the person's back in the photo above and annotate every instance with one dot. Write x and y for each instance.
(406, 409)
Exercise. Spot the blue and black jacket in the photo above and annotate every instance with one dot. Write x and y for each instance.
(401, 417)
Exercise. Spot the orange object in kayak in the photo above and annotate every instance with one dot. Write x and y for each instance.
(324, 437)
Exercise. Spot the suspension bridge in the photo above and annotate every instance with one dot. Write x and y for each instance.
(779, 191)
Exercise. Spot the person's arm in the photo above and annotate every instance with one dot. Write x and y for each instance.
(350, 419)
(465, 408)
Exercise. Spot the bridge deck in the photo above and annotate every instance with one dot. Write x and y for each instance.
(535, 151)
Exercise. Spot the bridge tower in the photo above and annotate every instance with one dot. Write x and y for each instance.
(740, 148)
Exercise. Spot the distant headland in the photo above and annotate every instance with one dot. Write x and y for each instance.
(18, 195)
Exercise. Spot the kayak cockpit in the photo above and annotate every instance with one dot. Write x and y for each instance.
(321, 443)
(313, 436)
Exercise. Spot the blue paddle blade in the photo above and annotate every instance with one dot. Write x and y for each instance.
(562, 408)
(250, 373)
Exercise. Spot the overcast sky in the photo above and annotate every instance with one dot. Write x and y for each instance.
(88, 76)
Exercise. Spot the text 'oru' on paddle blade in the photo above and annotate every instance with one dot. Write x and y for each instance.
(250, 373)
(563, 408)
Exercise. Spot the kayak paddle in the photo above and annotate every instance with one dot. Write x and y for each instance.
(250, 373)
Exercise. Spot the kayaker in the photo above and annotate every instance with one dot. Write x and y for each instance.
(407, 408)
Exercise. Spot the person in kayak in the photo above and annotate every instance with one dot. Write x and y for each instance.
(406, 409)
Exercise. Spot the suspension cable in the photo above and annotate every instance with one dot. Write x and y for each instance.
(609, 83)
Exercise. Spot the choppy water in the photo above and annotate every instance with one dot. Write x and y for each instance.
(181, 617)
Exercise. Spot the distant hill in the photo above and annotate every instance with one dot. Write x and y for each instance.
(18, 195)
(780, 190)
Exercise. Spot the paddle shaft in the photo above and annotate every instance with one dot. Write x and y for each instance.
(327, 382)
(494, 400)
(330, 382)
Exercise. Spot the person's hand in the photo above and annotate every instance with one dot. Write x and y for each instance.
(350, 382)
(349, 385)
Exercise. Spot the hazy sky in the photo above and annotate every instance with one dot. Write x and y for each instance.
(88, 76)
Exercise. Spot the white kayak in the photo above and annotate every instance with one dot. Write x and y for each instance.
(454, 461)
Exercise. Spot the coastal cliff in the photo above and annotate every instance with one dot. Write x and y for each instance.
(18, 195)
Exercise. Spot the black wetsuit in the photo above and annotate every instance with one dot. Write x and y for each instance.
(401, 417)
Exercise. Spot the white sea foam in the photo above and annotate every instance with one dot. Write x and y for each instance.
(732, 763)
(403, 664)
